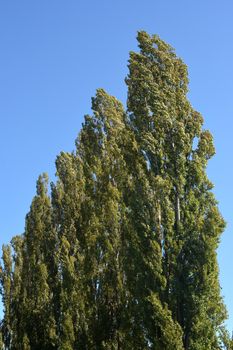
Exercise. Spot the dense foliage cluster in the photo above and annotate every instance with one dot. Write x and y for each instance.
(121, 253)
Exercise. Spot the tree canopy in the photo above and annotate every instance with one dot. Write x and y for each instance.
(120, 252)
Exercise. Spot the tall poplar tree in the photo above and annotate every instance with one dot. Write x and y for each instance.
(38, 317)
(10, 276)
(6, 287)
(98, 147)
(167, 128)
(67, 199)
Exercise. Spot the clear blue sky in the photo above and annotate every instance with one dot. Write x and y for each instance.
(54, 54)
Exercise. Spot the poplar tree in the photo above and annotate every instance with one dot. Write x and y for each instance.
(67, 198)
(167, 128)
(38, 317)
(6, 287)
(98, 147)
(10, 277)
(16, 288)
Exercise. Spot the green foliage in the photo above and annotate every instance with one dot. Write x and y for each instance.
(123, 254)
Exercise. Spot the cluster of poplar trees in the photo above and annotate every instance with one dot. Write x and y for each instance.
(120, 252)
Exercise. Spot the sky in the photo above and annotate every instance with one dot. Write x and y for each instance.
(55, 54)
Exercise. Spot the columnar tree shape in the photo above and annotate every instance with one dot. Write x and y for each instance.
(123, 255)
(11, 281)
(6, 287)
(103, 168)
(67, 198)
(38, 314)
(167, 128)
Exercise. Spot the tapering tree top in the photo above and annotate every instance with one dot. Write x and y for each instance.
(42, 184)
